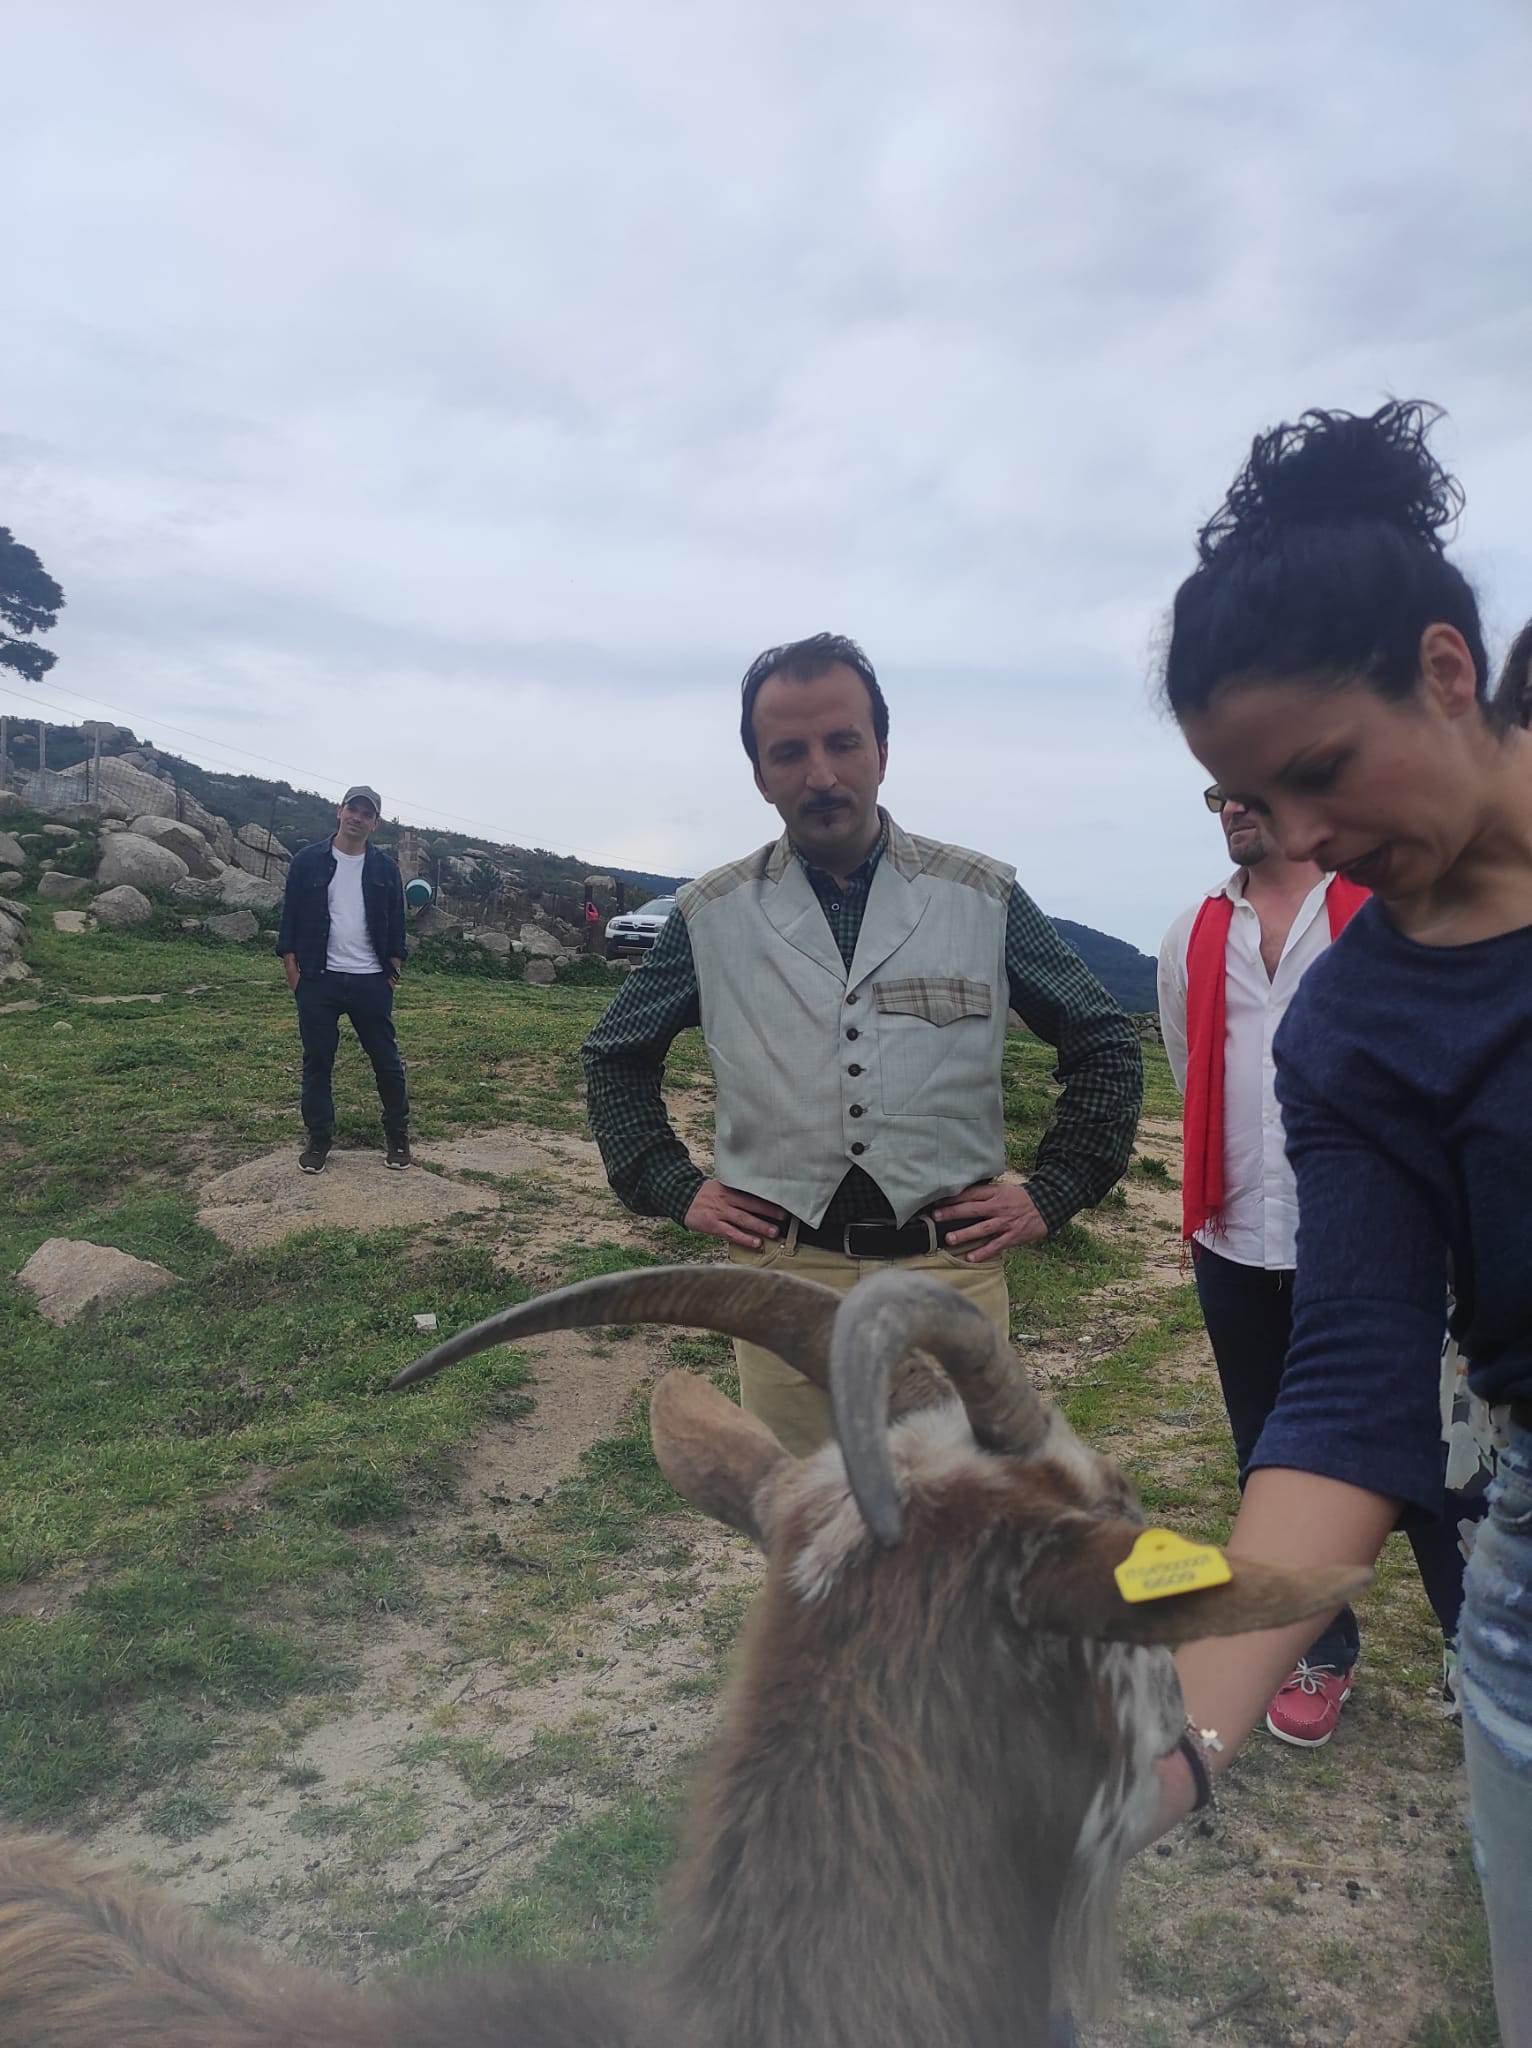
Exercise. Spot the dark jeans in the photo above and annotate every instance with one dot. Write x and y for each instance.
(367, 999)
(1249, 1317)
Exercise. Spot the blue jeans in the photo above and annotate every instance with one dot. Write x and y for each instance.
(1495, 1675)
(367, 999)
(1249, 1315)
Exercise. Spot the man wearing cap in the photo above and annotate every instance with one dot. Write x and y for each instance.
(852, 984)
(342, 943)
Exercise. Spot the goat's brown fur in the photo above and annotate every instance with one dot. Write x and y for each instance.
(933, 1763)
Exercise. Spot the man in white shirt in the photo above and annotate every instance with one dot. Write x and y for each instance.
(342, 944)
(1261, 930)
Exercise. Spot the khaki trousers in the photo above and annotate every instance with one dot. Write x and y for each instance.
(793, 1407)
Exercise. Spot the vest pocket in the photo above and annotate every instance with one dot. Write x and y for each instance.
(938, 998)
(933, 1044)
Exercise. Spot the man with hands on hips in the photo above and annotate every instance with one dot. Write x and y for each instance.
(852, 983)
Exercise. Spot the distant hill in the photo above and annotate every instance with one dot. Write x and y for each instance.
(1126, 974)
(298, 816)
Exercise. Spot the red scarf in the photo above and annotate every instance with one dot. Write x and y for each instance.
(1202, 1111)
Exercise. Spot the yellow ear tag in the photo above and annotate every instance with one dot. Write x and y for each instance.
(1161, 1563)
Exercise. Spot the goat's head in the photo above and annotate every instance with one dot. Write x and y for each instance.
(942, 1606)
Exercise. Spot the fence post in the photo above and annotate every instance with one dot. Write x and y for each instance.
(93, 780)
(271, 826)
(42, 747)
(5, 745)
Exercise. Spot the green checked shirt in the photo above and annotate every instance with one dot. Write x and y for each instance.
(1084, 1152)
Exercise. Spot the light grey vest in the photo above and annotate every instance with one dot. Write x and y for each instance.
(894, 1067)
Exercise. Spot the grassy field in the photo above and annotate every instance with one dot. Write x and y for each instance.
(308, 1652)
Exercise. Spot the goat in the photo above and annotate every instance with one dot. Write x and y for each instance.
(938, 1752)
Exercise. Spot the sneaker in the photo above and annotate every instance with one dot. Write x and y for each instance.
(398, 1153)
(315, 1156)
(1308, 1704)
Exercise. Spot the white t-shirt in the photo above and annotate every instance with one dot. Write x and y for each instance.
(350, 949)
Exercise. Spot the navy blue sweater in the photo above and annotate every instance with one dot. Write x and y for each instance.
(1405, 1077)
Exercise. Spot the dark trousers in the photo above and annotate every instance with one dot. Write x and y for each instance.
(367, 999)
(1249, 1317)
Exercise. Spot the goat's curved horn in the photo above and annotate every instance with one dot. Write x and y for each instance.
(785, 1313)
(880, 1323)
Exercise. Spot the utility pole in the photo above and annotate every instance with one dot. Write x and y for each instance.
(42, 745)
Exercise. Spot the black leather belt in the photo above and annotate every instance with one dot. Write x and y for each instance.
(879, 1240)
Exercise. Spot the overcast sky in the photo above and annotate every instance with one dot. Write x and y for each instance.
(457, 396)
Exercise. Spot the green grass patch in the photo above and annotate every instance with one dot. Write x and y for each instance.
(211, 1478)
(592, 1898)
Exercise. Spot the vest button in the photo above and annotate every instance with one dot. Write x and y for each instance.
(853, 1070)
(853, 1032)
(859, 1150)
(856, 1109)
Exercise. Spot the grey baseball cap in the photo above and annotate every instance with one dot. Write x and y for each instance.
(362, 789)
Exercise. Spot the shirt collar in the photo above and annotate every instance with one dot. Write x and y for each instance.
(861, 875)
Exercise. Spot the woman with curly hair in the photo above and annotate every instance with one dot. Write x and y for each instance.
(1327, 668)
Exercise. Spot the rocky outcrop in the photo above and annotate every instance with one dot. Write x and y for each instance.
(183, 840)
(56, 888)
(122, 907)
(128, 857)
(542, 973)
(540, 943)
(12, 853)
(66, 1276)
(234, 925)
(192, 890)
(240, 891)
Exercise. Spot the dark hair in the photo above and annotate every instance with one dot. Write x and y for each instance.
(1326, 559)
(1513, 692)
(805, 661)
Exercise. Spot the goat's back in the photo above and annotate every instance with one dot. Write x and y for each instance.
(93, 1959)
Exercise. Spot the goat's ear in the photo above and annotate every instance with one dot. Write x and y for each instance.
(1072, 1590)
(712, 1452)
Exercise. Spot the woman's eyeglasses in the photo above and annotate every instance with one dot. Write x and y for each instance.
(1214, 798)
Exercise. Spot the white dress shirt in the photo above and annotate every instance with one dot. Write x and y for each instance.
(1260, 1206)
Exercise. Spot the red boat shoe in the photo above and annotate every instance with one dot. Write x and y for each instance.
(1308, 1704)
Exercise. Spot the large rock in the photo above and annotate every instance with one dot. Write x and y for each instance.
(13, 935)
(13, 909)
(143, 863)
(191, 890)
(257, 861)
(14, 970)
(262, 840)
(539, 943)
(12, 853)
(63, 833)
(122, 907)
(235, 925)
(542, 973)
(66, 1276)
(10, 878)
(57, 888)
(498, 943)
(239, 891)
(184, 840)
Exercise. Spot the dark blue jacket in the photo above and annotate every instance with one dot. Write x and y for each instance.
(306, 907)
